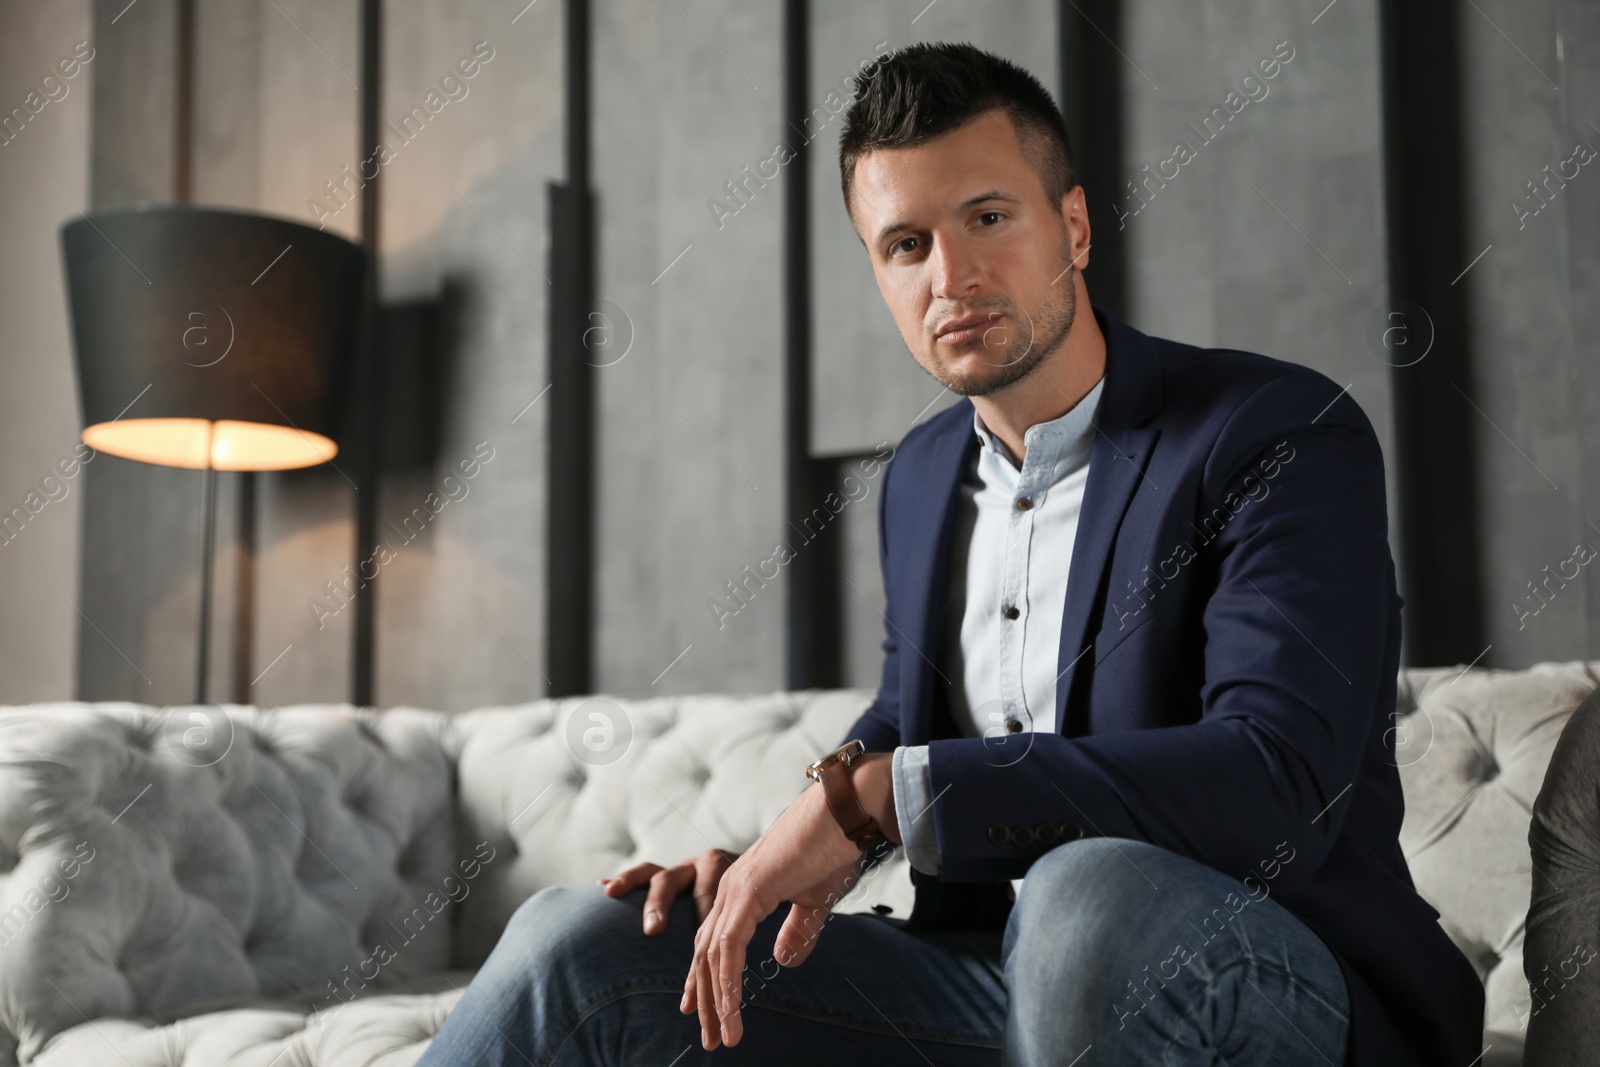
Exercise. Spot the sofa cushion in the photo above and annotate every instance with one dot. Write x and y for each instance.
(155, 860)
(370, 1030)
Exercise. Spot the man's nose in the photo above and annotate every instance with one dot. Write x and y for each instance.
(956, 272)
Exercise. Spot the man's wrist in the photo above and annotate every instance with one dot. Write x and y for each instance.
(872, 774)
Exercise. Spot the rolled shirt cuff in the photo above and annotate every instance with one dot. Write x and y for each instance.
(913, 806)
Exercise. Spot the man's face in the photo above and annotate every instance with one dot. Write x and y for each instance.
(960, 231)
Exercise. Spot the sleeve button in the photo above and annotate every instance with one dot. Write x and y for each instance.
(1022, 837)
(1071, 831)
(999, 835)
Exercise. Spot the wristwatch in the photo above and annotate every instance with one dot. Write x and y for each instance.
(833, 771)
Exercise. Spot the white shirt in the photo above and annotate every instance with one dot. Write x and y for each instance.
(1012, 551)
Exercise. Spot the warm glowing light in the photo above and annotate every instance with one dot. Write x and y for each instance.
(233, 446)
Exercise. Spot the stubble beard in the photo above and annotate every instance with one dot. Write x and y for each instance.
(1050, 330)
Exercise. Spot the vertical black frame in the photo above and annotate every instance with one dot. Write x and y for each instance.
(1436, 452)
(813, 617)
(367, 392)
(569, 545)
(1092, 104)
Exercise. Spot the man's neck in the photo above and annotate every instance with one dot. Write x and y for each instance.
(1054, 388)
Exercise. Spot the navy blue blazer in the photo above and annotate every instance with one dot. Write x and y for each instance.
(1229, 656)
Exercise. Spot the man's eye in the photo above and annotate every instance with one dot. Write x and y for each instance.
(996, 214)
(901, 245)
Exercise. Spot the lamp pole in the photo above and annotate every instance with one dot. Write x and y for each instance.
(208, 508)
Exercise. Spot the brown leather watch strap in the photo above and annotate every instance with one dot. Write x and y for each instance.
(845, 804)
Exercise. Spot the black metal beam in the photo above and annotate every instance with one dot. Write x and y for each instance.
(814, 619)
(569, 546)
(1436, 453)
(366, 394)
(1092, 103)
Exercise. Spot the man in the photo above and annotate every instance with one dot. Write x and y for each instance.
(1141, 655)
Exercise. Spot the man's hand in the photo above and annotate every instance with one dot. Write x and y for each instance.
(803, 858)
(702, 873)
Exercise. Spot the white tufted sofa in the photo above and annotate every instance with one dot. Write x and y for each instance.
(313, 885)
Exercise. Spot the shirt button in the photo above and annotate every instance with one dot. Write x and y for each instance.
(1024, 503)
(1010, 611)
(1013, 726)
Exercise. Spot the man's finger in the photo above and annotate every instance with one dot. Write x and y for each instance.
(798, 936)
(705, 1001)
(693, 993)
(730, 943)
(708, 871)
(629, 880)
(664, 888)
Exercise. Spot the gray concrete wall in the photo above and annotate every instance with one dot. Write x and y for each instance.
(1532, 299)
(690, 431)
(38, 399)
(461, 610)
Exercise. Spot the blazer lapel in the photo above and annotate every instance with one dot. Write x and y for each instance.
(928, 571)
(1117, 465)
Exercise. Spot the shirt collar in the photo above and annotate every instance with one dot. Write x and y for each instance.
(1072, 432)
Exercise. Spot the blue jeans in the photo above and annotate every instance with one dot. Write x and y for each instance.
(1114, 946)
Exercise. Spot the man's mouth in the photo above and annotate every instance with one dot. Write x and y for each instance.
(966, 329)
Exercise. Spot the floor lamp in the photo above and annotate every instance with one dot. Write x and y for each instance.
(211, 340)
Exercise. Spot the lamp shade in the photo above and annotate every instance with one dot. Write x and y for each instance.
(211, 338)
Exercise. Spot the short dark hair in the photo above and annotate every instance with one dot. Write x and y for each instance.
(908, 97)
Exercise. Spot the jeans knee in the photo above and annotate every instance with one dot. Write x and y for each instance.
(1096, 872)
(558, 925)
(553, 906)
(1084, 906)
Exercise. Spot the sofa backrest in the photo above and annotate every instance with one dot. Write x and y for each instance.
(155, 859)
(570, 790)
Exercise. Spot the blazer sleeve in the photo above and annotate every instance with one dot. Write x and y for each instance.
(1295, 631)
(879, 725)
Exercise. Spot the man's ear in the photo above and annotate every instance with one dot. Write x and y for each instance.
(1075, 217)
